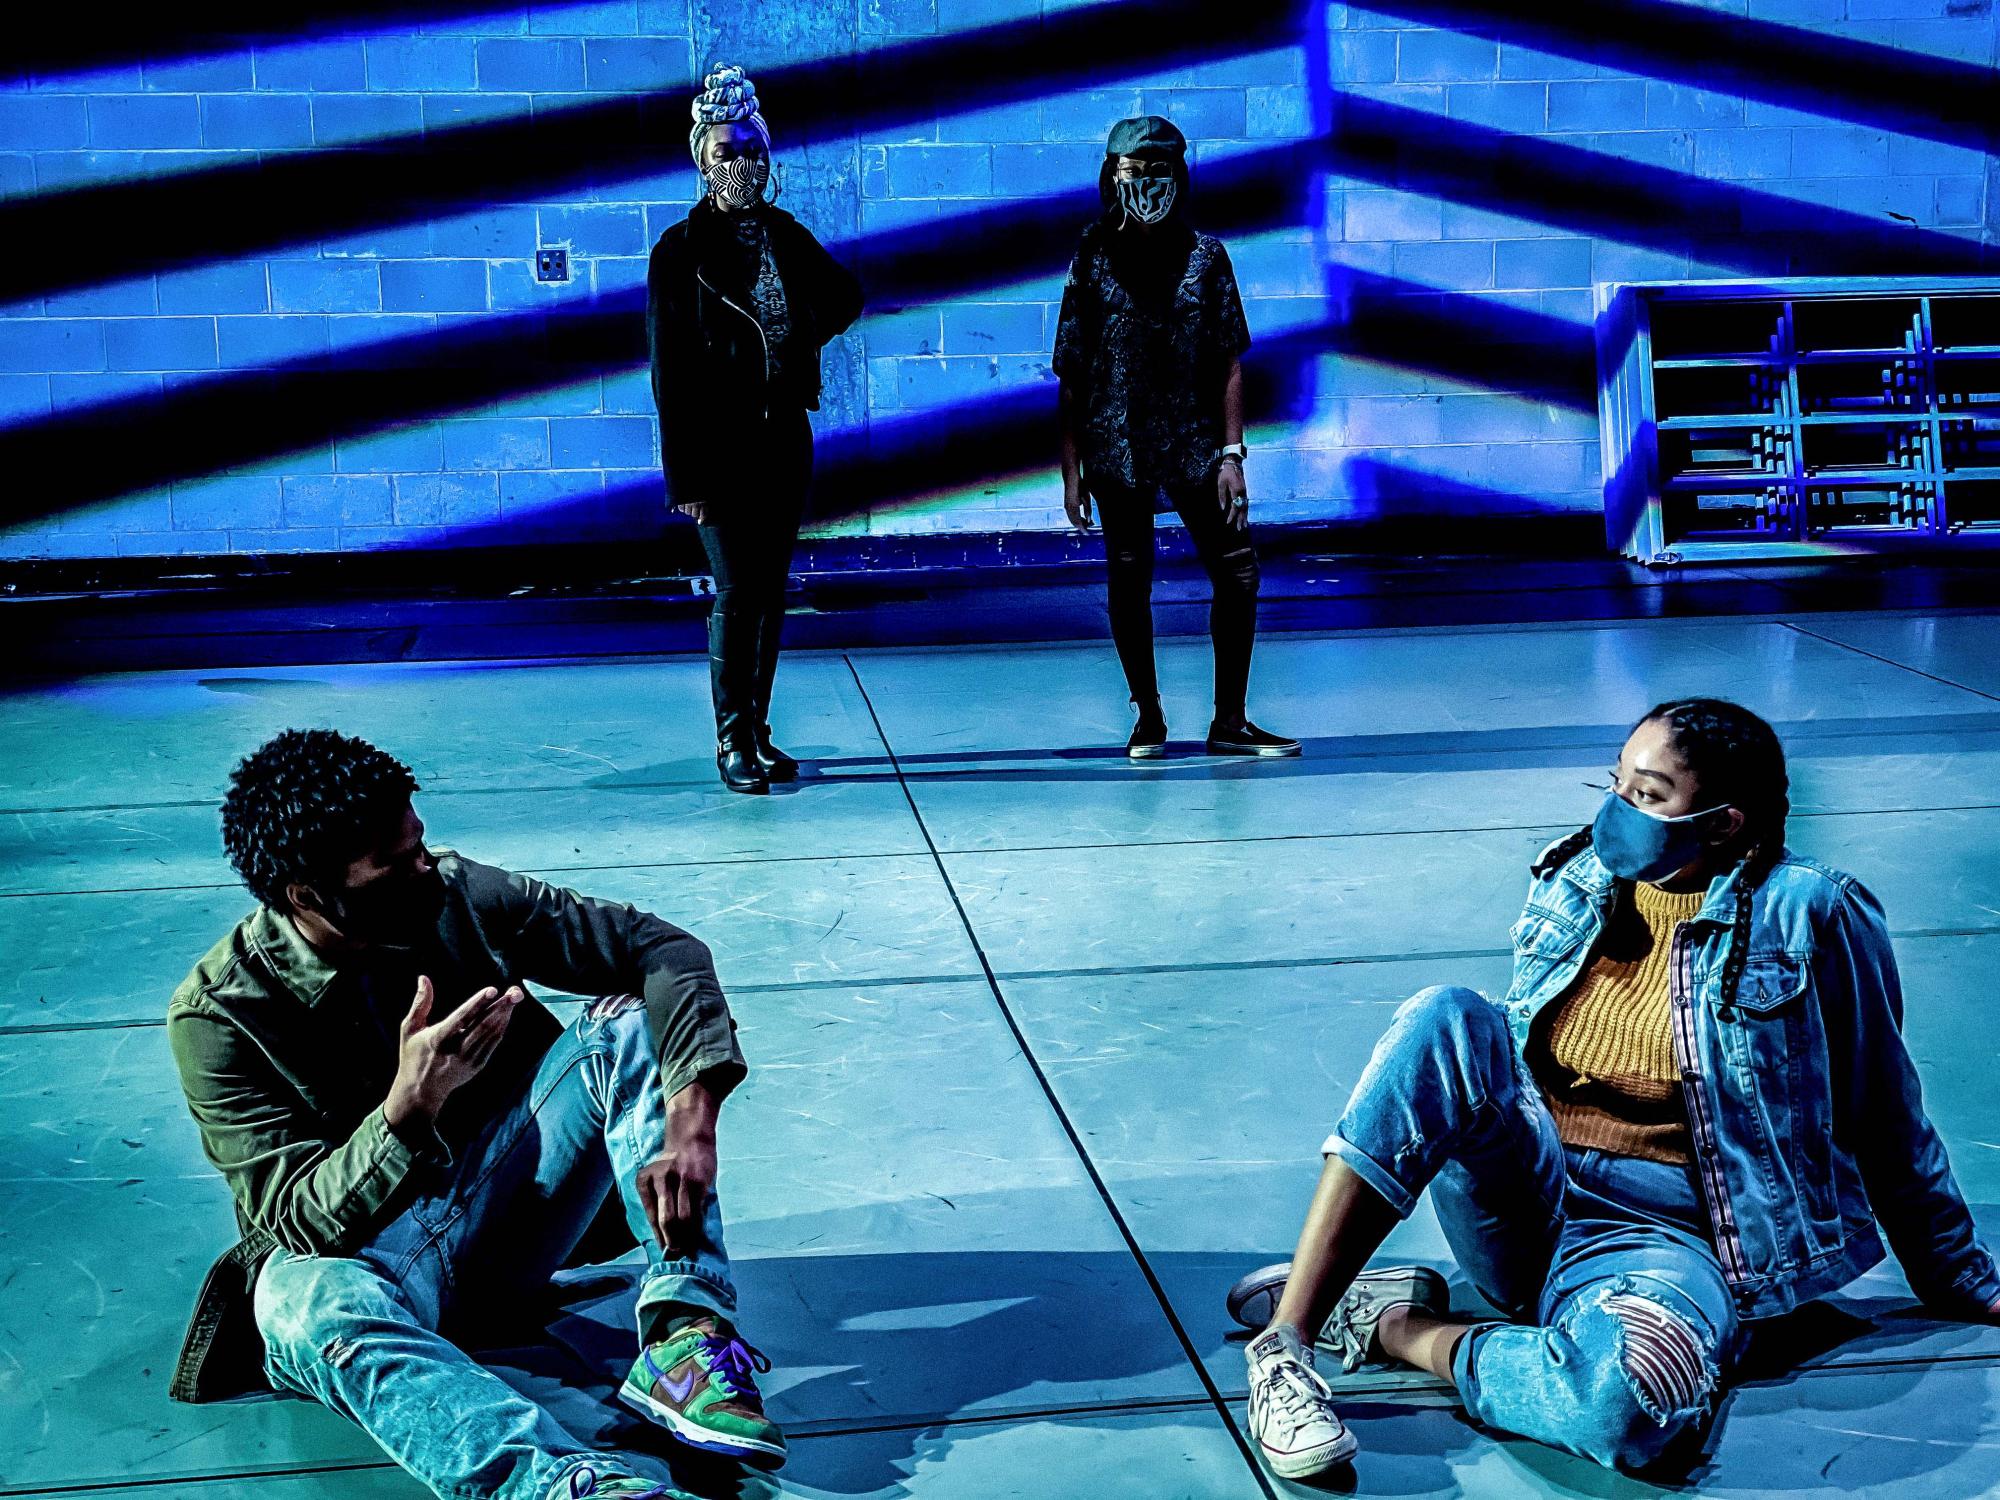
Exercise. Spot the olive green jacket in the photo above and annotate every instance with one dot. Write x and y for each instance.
(286, 1067)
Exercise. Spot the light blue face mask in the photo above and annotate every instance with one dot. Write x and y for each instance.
(1637, 845)
(1147, 199)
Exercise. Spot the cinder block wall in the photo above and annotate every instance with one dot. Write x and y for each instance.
(1417, 202)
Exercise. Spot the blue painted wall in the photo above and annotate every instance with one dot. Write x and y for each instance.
(305, 256)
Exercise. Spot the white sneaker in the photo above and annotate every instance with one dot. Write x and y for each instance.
(1291, 1409)
(1350, 1332)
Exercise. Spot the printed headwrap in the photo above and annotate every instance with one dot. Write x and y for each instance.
(728, 97)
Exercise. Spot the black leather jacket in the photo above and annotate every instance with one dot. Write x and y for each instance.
(707, 349)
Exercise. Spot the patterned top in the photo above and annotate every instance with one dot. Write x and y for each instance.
(1148, 327)
(758, 271)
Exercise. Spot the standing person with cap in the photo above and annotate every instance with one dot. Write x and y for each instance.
(1149, 353)
(740, 300)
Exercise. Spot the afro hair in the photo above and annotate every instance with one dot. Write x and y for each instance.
(305, 805)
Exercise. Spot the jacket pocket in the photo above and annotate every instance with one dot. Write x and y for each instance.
(1771, 1034)
(1768, 982)
(1542, 944)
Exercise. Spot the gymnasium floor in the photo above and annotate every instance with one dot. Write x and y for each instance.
(1042, 1043)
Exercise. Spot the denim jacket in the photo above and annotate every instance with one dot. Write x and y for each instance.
(1806, 1116)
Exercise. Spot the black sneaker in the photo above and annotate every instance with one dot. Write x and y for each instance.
(1149, 737)
(1247, 739)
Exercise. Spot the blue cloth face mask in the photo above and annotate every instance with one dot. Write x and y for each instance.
(1637, 845)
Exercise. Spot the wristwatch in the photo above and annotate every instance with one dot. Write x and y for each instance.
(1236, 451)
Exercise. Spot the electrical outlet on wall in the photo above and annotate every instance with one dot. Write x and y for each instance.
(551, 264)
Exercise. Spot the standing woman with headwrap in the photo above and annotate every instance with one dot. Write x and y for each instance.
(1149, 351)
(740, 300)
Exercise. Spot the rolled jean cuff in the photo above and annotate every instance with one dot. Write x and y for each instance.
(1372, 1172)
(690, 1285)
(1462, 1374)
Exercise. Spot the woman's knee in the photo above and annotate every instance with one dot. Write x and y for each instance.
(1129, 565)
(1446, 1030)
(1233, 572)
(737, 601)
(1450, 1010)
(1649, 1378)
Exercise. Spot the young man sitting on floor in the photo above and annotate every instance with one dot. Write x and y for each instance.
(415, 1144)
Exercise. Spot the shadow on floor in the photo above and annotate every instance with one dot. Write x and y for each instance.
(926, 1312)
(1338, 755)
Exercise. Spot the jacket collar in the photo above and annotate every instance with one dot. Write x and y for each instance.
(707, 223)
(294, 962)
(1587, 873)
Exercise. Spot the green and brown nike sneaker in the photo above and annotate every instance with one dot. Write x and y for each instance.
(701, 1385)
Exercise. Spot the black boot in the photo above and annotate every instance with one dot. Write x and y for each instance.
(731, 669)
(740, 770)
(777, 765)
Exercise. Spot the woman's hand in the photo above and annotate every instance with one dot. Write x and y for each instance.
(696, 510)
(1231, 494)
(1076, 502)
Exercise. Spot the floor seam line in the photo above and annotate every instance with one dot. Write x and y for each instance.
(980, 853)
(1901, 666)
(1117, 971)
(1111, 1208)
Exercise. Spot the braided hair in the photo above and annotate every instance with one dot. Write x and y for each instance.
(1738, 762)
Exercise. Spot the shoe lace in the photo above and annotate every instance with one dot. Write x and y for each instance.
(734, 1366)
(1297, 1393)
(1347, 1334)
(584, 1483)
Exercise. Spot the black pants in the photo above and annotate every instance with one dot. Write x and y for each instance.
(1227, 555)
(749, 535)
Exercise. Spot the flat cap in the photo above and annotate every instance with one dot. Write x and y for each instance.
(1146, 135)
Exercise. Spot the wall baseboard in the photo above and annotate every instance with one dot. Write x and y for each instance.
(673, 562)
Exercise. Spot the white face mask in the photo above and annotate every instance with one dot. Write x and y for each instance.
(1147, 199)
(738, 183)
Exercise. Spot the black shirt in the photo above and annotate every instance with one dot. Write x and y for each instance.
(1148, 327)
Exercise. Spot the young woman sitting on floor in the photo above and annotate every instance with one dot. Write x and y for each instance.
(1690, 1112)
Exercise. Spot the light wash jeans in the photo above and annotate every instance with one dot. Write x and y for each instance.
(360, 1333)
(1624, 1321)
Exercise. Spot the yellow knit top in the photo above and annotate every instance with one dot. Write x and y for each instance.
(1604, 1052)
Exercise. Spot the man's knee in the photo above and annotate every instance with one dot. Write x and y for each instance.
(315, 1307)
(1652, 1378)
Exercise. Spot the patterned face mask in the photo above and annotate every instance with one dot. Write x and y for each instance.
(1147, 199)
(738, 183)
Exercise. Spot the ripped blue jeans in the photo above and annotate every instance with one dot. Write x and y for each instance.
(1624, 1324)
(361, 1333)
